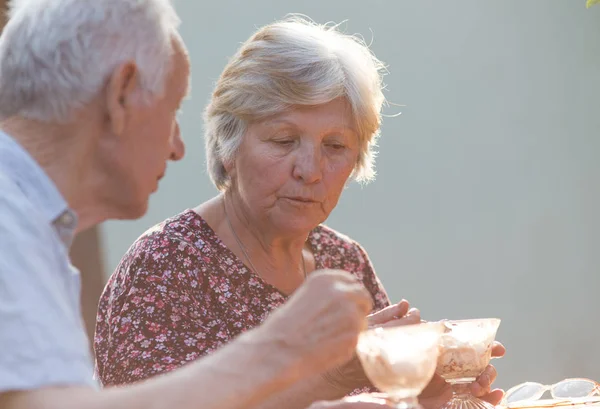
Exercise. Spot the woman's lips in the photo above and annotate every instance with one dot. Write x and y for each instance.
(300, 201)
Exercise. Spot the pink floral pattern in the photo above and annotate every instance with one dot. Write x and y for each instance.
(179, 293)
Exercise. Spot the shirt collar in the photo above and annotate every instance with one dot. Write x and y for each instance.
(21, 167)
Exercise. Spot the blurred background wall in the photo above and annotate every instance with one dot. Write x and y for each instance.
(487, 198)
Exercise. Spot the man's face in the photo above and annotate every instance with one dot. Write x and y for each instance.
(150, 137)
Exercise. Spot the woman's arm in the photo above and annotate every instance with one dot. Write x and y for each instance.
(371, 281)
(151, 315)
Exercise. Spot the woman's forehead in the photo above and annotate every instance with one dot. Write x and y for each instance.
(334, 114)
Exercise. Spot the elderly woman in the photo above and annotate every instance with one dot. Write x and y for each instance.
(294, 116)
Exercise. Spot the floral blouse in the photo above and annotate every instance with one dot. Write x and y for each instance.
(179, 293)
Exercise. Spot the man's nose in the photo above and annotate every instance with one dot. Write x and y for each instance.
(177, 145)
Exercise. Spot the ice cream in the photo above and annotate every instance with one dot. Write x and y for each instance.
(465, 352)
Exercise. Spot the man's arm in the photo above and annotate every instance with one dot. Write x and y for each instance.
(314, 331)
(237, 376)
(43, 347)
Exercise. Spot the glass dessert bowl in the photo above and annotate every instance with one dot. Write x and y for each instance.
(465, 352)
(400, 361)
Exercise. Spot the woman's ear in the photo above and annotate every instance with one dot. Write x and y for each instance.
(229, 166)
(230, 171)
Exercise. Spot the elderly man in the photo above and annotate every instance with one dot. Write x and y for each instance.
(89, 91)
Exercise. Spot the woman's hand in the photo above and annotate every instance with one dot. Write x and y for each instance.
(394, 315)
(351, 375)
(439, 391)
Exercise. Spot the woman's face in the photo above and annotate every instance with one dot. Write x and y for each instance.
(291, 168)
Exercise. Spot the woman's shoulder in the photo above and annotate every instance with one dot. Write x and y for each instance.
(328, 235)
(185, 227)
(330, 242)
(336, 250)
(185, 232)
(180, 243)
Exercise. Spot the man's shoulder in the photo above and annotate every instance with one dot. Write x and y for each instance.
(26, 238)
(18, 217)
(42, 342)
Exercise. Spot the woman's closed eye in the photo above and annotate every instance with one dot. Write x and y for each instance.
(336, 146)
(284, 142)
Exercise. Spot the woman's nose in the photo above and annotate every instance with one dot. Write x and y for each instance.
(308, 166)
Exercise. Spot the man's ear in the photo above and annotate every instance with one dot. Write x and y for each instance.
(121, 88)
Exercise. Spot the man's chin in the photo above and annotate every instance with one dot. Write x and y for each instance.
(133, 211)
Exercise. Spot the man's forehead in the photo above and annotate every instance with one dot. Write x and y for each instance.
(186, 80)
(181, 68)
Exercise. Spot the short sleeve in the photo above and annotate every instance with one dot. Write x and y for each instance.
(371, 281)
(152, 318)
(42, 339)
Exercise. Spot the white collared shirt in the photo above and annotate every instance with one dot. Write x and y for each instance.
(42, 336)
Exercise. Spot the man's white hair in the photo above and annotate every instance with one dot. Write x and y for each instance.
(56, 55)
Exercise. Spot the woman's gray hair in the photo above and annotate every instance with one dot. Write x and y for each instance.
(293, 62)
(56, 55)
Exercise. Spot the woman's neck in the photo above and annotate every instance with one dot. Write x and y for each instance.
(266, 243)
(282, 261)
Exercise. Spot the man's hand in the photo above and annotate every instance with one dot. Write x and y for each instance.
(318, 327)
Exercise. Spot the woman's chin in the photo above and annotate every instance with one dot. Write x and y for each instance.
(299, 226)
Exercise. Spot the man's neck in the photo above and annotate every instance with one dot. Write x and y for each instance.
(64, 153)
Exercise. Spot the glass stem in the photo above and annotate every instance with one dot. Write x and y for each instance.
(460, 390)
(407, 403)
